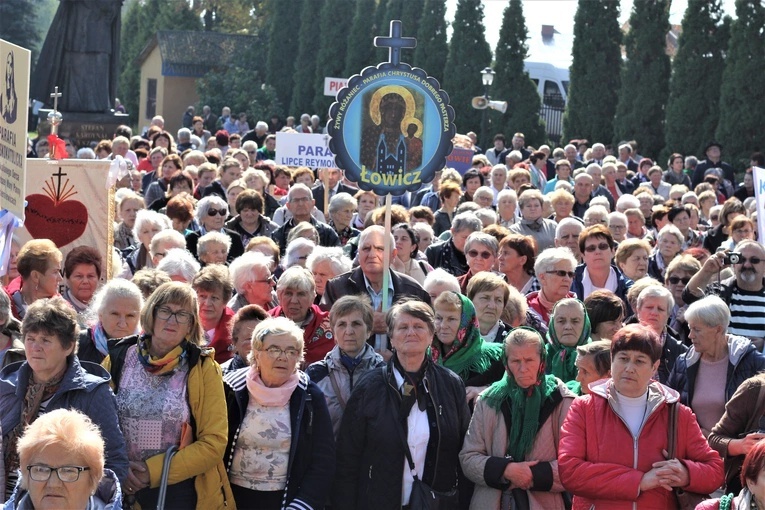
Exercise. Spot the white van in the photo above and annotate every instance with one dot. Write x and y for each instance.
(552, 85)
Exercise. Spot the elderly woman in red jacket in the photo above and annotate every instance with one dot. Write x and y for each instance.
(614, 441)
(296, 291)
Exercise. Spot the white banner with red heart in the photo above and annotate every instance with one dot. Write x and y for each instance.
(67, 203)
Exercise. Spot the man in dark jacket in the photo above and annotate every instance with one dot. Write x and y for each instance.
(335, 181)
(368, 278)
(450, 254)
(300, 203)
(714, 160)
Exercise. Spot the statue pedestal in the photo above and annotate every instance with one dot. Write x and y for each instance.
(84, 128)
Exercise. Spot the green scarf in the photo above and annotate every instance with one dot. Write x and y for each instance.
(561, 359)
(525, 405)
(468, 353)
(575, 388)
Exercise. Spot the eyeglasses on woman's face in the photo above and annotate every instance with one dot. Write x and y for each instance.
(181, 317)
(68, 474)
(276, 353)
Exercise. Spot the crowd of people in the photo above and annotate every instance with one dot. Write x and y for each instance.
(557, 328)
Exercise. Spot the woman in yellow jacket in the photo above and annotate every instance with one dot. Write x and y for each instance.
(170, 393)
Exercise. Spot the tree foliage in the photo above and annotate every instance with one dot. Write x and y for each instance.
(304, 75)
(361, 52)
(432, 49)
(19, 25)
(468, 54)
(741, 129)
(594, 78)
(390, 10)
(512, 83)
(645, 78)
(282, 48)
(140, 23)
(694, 91)
(335, 19)
(239, 87)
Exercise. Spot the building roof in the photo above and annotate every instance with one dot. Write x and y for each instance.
(194, 53)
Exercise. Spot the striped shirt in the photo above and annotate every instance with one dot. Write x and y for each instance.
(747, 313)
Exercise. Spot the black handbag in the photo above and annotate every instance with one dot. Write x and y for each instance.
(423, 497)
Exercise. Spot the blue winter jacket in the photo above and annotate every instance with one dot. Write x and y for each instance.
(85, 387)
(744, 361)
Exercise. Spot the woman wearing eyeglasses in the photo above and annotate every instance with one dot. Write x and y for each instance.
(711, 371)
(598, 270)
(281, 448)
(51, 378)
(170, 393)
(554, 268)
(62, 465)
(212, 212)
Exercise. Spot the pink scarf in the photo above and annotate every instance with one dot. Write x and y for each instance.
(270, 397)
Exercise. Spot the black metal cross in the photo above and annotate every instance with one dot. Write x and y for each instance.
(59, 174)
(394, 42)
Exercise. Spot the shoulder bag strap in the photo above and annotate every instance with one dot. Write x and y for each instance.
(399, 428)
(672, 431)
(336, 388)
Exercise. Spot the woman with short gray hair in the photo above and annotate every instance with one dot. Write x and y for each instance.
(298, 252)
(481, 254)
(179, 265)
(533, 222)
(341, 209)
(554, 269)
(295, 292)
(708, 374)
(669, 243)
(212, 212)
(147, 224)
(325, 263)
(653, 308)
(213, 247)
(114, 312)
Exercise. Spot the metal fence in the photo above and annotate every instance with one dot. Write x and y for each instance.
(553, 106)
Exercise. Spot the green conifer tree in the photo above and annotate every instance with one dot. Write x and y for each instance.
(469, 53)
(594, 78)
(512, 83)
(282, 48)
(361, 51)
(19, 24)
(304, 90)
(432, 48)
(693, 107)
(336, 16)
(389, 10)
(741, 129)
(645, 78)
(139, 25)
(411, 15)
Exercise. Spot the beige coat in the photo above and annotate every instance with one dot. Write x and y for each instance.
(487, 438)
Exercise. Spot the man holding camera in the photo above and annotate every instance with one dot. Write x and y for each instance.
(744, 292)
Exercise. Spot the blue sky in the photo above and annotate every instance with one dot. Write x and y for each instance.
(559, 13)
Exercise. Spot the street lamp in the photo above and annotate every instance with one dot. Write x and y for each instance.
(487, 77)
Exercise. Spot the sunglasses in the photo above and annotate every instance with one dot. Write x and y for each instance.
(486, 255)
(213, 212)
(562, 273)
(674, 280)
(752, 260)
(593, 247)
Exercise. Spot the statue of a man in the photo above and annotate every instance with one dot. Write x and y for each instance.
(80, 56)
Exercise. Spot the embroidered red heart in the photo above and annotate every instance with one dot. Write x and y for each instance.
(62, 222)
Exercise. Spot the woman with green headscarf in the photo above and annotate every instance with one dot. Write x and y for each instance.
(569, 328)
(458, 345)
(511, 449)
